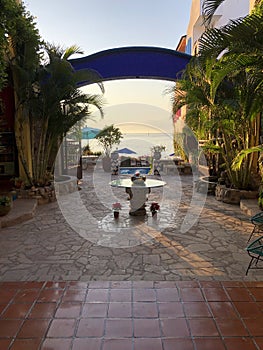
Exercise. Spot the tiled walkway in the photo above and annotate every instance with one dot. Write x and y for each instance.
(139, 315)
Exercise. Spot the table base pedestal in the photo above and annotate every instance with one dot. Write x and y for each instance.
(138, 212)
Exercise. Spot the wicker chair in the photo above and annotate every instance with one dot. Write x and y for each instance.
(255, 251)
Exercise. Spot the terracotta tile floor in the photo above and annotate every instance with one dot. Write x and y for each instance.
(183, 315)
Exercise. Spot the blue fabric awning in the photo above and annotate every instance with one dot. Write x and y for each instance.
(134, 62)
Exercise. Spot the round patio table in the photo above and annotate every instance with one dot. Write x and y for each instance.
(127, 183)
(138, 192)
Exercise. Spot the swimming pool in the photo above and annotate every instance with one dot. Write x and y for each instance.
(132, 170)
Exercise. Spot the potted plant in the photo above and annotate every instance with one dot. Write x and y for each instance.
(116, 207)
(154, 208)
(5, 204)
(18, 182)
(108, 137)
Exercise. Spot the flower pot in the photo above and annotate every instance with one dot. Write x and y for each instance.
(116, 214)
(154, 212)
(4, 209)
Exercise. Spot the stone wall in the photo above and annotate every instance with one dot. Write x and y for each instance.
(233, 196)
(65, 184)
(42, 194)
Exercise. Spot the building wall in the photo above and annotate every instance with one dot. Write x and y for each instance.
(230, 9)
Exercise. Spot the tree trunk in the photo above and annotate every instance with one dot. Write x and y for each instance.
(106, 164)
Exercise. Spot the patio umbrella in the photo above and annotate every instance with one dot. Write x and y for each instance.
(125, 151)
(89, 133)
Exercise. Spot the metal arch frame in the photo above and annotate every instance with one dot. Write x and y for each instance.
(135, 62)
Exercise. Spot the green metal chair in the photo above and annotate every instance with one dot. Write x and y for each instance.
(255, 251)
(257, 221)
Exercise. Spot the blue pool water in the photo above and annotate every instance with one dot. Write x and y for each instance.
(131, 170)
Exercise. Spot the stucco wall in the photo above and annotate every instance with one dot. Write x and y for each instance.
(230, 9)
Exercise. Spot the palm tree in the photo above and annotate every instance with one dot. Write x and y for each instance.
(241, 42)
(16, 23)
(57, 106)
(108, 137)
(21, 58)
(47, 100)
(225, 93)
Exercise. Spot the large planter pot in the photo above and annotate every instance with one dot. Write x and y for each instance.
(64, 184)
(207, 184)
(106, 164)
(232, 195)
(4, 209)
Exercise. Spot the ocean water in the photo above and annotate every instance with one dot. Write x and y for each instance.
(141, 143)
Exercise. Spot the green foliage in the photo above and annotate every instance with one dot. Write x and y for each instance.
(222, 88)
(158, 148)
(88, 152)
(210, 147)
(5, 201)
(57, 107)
(209, 7)
(17, 29)
(237, 162)
(19, 58)
(178, 145)
(108, 137)
(48, 102)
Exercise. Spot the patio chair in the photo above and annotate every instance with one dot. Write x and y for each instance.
(257, 221)
(255, 251)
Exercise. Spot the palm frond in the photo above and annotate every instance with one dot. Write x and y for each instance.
(209, 8)
(238, 160)
(90, 75)
(238, 36)
(72, 50)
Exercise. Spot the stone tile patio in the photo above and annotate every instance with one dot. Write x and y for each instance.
(94, 246)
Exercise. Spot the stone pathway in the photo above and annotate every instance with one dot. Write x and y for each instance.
(192, 237)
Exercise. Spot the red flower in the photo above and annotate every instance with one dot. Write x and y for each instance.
(116, 206)
(154, 206)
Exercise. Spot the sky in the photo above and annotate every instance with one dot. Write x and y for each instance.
(103, 24)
